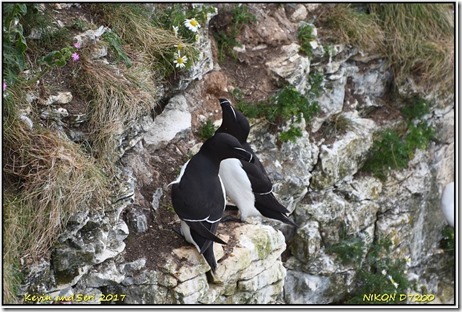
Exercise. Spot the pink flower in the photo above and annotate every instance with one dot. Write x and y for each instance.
(77, 45)
(75, 56)
(4, 86)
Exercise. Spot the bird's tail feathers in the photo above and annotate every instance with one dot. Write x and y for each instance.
(204, 232)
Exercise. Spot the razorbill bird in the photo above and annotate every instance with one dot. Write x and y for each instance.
(447, 203)
(246, 184)
(198, 195)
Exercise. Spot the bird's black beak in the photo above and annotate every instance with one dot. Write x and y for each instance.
(226, 105)
(242, 154)
(224, 102)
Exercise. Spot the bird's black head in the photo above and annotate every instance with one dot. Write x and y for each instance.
(223, 145)
(234, 122)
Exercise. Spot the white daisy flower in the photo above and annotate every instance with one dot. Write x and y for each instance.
(384, 272)
(179, 60)
(192, 24)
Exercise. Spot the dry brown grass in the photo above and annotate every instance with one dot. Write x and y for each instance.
(420, 41)
(56, 179)
(417, 39)
(115, 99)
(352, 27)
(46, 178)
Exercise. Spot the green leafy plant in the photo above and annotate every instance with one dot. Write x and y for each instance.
(388, 152)
(79, 24)
(225, 37)
(305, 35)
(176, 14)
(116, 44)
(14, 42)
(447, 242)
(315, 80)
(377, 272)
(207, 130)
(59, 58)
(392, 150)
(185, 22)
(419, 136)
(291, 134)
(415, 108)
(380, 274)
(349, 250)
(288, 104)
(250, 110)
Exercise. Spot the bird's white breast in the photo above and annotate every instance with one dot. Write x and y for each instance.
(238, 187)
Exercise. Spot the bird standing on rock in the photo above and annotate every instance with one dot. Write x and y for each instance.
(198, 194)
(246, 184)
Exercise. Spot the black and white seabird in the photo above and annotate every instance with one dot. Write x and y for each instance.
(247, 185)
(198, 195)
(447, 203)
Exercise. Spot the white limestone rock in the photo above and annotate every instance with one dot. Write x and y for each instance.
(174, 120)
(290, 66)
(346, 155)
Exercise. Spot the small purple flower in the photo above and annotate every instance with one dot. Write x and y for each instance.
(4, 86)
(75, 56)
(77, 45)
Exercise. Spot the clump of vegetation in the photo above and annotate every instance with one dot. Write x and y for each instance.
(116, 44)
(414, 107)
(286, 105)
(420, 41)
(207, 130)
(291, 134)
(249, 109)
(225, 35)
(132, 23)
(14, 41)
(305, 35)
(392, 149)
(335, 126)
(48, 179)
(447, 242)
(48, 176)
(377, 273)
(355, 27)
(116, 101)
(350, 249)
(417, 39)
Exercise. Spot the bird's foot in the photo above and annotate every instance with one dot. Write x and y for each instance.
(212, 278)
(178, 231)
(232, 207)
